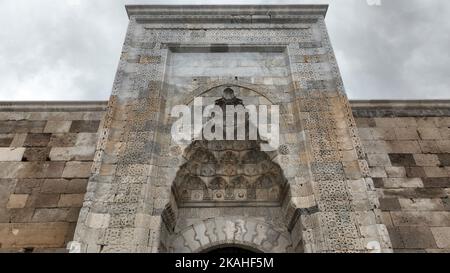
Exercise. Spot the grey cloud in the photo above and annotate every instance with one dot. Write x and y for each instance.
(69, 49)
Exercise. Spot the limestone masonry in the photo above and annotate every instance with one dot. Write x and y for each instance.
(361, 176)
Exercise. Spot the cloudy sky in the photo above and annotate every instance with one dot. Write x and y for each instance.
(69, 49)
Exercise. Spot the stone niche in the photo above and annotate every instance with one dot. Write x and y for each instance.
(149, 194)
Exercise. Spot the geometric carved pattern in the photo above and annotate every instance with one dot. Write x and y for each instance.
(217, 172)
(213, 232)
(228, 172)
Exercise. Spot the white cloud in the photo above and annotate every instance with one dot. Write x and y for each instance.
(68, 50)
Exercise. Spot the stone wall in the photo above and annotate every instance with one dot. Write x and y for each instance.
(408, 150)
(46, 152)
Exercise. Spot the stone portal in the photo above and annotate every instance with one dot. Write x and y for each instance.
(150, 194)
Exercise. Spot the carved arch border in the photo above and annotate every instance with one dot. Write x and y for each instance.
(213, 232)
(259, 89)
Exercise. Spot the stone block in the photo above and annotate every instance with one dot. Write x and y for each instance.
(43, 200)
(37, 140)
(421, 218)
(17, 201)
(97, 220)
(421, 204)
(378, 183)
(27, 186)
(54, 186)
(29, 126)
(378, 160)
(404, 147)
(445, 133)
(86, 139)
(77, 186)
(19, 140)
(417, 237)
(71, 200)
(36, 154)
(429, 147)
(426, 160)
(84, 126)
(41, 169)
(45, 215)
(19, 235)
(11, 154)
(396, 239)
(435, 172)
(72, 153)
(378, 172)
(11, 169)
(57, 126)
(5, 140)
(20, 215)
(439, 182)
(412, 172)
(406, 133)
(402, 160)
(441, 236)
(389, 204)
(426, 122)
(386, 219)
(443, 145)
(376, 147)
(402, 182)
(63, 140)
(365, 122)
(385, 122)
(429, 133)
(404, 122)
(365, 133)
(77, 170)
(444, 159)
(383, 133)
(395, 172)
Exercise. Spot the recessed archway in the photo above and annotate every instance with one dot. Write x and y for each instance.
(228, 194)
(231, 249)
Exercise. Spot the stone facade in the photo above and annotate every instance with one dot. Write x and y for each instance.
(414, 205)
(278, 55)
(325, 189)
(46, 153)
(408, 151)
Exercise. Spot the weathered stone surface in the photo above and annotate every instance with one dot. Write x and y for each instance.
(402, 160)
(85, 153)
(27, 186)
(33, 194)
(11, 154)
(43, 200)
(71, 200)
(417, 237)
(421, 218)
(442, 237)
(130, 202)
(17, 201)
(77, 170)
(84, 126)
(37, 140)
(36, 154)
(57, 126)
(24, 234)
(389, 204)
